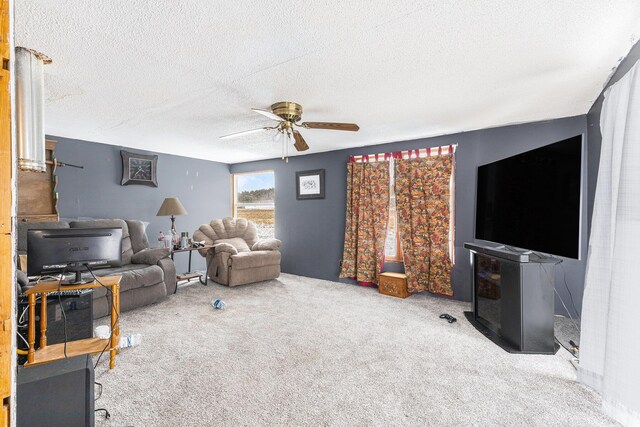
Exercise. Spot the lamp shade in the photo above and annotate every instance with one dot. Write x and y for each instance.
(171, 207)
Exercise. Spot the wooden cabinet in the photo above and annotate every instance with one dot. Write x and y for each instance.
(394, 284)
(513, 299)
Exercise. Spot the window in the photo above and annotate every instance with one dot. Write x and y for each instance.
(392, 248)
(254, 199)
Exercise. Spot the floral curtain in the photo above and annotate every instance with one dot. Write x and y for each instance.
(367, 218)
(422, 202)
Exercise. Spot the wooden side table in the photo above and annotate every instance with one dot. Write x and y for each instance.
(48, 353)
(190, 275)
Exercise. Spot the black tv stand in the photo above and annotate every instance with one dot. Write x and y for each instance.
(513, 298)
(497, 339)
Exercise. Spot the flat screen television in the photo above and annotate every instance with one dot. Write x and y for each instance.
(532, 200)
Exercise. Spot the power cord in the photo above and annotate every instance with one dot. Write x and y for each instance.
(548, 274)
(113, 307)
(23, 339)
(575, 325)
(64, 315)
(101, 387)
(570, 350)
(566, 285)
(60, 279)
(107, 415)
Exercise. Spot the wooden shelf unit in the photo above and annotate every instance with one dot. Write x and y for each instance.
(74, 348)
(49, 353)
(187, 276)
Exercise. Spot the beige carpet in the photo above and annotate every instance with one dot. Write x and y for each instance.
(305, 352)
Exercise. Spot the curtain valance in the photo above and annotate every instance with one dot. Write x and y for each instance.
(407, 154)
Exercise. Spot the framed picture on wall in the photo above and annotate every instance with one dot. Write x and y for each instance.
(310, 184)
(139, 169)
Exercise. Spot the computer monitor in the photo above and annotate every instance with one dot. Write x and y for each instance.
(72, 250)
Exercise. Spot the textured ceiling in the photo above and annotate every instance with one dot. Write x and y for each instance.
(172, 76)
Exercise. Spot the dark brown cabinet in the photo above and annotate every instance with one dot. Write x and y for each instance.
(513, 298)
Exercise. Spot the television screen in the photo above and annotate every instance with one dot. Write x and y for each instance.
(532, 200)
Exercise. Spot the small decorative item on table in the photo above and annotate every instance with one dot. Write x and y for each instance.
(393, 284)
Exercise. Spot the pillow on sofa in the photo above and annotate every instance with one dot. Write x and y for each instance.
(236, 242)
(139, 240)
(149, 256)
(23, 227)
(225, 247)
(267, 245)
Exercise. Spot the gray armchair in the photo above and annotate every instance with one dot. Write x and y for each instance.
(238, 257)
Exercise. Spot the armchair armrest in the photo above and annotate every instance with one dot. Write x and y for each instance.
(225, 247)
(218, 266)
(159, 257)
(169, 271)
(150, 256)
(266, 245)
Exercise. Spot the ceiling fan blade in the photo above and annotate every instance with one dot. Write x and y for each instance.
(300, 143)
(268, 114)
(246, 132)
(331, 126)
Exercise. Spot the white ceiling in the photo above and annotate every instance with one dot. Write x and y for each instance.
(172, 76)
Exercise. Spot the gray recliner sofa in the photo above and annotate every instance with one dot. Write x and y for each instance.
(148, 275)
(238, 257)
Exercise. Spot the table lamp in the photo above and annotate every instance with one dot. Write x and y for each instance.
(172, 207)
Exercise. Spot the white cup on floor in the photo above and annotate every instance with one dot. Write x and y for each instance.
(103, 331)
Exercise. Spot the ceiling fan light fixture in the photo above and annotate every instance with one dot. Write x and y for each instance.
(289, 111)
(288, 114)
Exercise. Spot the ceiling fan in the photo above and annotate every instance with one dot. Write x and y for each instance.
(288, 115)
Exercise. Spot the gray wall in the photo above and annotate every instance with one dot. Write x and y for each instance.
(593, 121)
(202, 186)
(312, 231)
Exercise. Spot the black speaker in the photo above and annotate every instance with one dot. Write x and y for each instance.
(59, 393)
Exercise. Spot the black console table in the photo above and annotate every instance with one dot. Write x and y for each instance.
(513, 298)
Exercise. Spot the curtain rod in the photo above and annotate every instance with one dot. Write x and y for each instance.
(406, 154)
